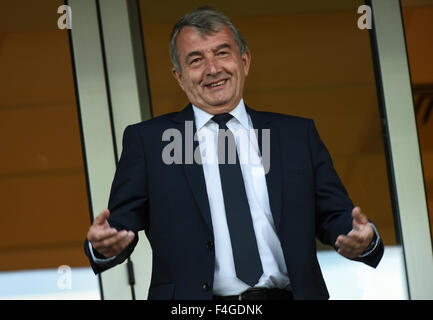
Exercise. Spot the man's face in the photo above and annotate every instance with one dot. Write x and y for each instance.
(213, 71)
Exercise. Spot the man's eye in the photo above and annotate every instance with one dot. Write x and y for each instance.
(194, 61)
(223, 53)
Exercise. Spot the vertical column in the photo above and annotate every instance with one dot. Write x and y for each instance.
(396, 94)
(97, 133)
(126, 74)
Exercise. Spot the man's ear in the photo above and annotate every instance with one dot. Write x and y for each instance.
(178, 76)
(246, 61)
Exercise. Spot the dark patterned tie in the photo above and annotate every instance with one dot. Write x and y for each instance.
(245, 252)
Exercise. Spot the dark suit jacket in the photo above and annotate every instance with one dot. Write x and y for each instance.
(170, 203)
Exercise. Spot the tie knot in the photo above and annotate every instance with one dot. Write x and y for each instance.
(222, 119)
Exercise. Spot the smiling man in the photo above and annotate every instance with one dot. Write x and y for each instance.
(212, 70)
(219, 229)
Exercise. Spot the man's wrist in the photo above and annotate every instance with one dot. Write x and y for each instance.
(373, 244)
(96, 256)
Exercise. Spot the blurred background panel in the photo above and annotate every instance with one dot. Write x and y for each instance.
(45, 210)
(418, 27)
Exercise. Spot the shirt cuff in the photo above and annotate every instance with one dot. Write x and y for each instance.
(99, 261)
(366, 253)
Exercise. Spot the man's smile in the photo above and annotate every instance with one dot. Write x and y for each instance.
(216, 84)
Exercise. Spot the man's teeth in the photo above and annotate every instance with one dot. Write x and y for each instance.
(217, 84)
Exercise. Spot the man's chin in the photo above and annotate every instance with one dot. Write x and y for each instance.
(222, 103)
(216, 108)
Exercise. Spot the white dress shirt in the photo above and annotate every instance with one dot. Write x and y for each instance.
(269, 246)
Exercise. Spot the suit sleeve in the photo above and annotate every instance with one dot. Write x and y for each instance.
(128, 203)
(333, 205)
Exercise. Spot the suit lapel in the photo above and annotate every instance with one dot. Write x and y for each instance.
(262, 122)
(193, 171)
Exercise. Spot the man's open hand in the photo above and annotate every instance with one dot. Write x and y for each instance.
(106, 240)
(356, 241)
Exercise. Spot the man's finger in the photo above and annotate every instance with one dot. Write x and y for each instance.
(347, 253)
(96, 234)
(348, 242)
(339, 241)
(358, 218)
(109, 242)
(357, 236)
(102, 217)
(114, 244)
(125, 241)
(348, 247)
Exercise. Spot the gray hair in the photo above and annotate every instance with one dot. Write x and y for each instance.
(206, 21)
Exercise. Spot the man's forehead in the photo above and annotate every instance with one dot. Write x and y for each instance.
(191, 39)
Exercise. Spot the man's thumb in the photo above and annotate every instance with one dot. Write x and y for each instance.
(102, 217)
(358, 217)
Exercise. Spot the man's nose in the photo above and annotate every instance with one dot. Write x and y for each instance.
(213, 66)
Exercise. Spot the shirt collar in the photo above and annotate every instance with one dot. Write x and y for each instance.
(239, 113)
